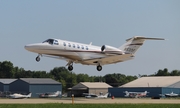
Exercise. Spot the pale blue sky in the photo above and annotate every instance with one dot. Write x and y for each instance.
(108, 22)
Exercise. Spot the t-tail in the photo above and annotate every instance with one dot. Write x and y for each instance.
(29, 95)
(134, 43)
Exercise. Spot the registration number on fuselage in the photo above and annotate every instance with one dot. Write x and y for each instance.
(129, 49)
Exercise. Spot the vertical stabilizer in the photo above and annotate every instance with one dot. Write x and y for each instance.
(134, 43)
(29, 95)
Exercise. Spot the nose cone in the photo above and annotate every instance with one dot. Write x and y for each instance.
(31, 47)
(36, 48)
(28, 47)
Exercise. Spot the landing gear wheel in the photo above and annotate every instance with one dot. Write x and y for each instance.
(37, 58)
(70, 67)
(99, 67)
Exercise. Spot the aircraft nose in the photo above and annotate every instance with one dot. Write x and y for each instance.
(30, 47)
(27, 47)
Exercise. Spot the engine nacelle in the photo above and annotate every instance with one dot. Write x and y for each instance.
(110, 50)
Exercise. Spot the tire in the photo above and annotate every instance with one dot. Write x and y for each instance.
(70, 68)
(37, 58)
(99, 67)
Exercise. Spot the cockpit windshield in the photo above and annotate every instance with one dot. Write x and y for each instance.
(51, 41)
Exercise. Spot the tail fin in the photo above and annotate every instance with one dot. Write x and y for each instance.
(134, 43)
(127, 93)
(106, 95)
(146, 92)
(29, 95)
(57, 93)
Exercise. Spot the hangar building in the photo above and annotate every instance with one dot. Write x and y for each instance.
(154, 85)
(90, 87)
(35, 86)
(4, 84)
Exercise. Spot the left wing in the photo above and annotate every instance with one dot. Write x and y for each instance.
(56, 57)
(108, 59)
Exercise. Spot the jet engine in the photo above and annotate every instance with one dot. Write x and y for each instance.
(110, 50)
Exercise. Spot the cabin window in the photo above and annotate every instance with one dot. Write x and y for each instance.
(82, 47)
(86, 47)
(64, 43)
(69, 44)
(74, 46)
(78, 46)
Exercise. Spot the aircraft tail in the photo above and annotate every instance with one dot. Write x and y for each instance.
(57, 93)
(134, 43)
(126, 94)
(29, 95)
(145, 92)
(106, 95)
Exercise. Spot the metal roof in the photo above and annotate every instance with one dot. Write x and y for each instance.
(163, 81)
(7, 81)
(91, 85)
(40, 81)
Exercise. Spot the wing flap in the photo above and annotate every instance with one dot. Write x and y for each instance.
(108, 60)
(56, 57)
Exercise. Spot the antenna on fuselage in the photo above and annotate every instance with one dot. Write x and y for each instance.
(90, 43)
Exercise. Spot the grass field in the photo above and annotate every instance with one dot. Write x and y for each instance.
(57, 105)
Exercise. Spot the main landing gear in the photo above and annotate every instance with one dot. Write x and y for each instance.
(70, 65)
(99, 67)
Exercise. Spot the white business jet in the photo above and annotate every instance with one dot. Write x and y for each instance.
(87, 54)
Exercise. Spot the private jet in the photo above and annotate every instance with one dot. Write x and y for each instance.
(87, 54)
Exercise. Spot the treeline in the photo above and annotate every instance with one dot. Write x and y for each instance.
(61, 74)
(69, 79)
(164, 72)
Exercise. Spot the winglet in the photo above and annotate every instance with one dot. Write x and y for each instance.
(90, 43)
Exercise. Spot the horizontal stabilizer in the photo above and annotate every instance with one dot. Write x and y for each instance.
(134, 43)
(145, 38)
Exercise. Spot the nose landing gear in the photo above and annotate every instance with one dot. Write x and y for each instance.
(38, 58)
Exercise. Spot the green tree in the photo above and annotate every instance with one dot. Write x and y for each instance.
(111, 80)
(6, 69)
(163, 72)
(62, 74)
(82, 78)
(175, 73)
